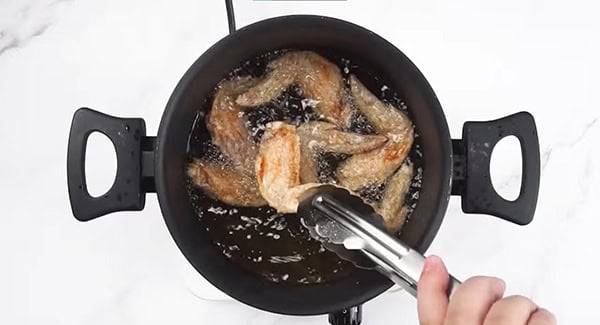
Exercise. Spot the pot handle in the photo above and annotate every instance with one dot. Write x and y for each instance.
(134, 161)
(471, 175)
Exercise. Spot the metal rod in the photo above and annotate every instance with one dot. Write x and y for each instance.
(230, 15)
(348, 316)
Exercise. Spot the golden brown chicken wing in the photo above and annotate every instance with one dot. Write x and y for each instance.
(375, 166)
(225, 183)
(392, 207)
(278, 167)
(319, 78)
(318, 136)
(227, 125)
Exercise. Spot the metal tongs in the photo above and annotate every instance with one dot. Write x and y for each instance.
(350, 228)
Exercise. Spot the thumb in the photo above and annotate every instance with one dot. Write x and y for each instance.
(432, 300)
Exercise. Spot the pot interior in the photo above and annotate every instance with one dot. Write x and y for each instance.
(271, 244)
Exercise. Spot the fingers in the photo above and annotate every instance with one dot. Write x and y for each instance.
(432, 301)
(542, 317)
(476, 301)
(518, 310)
(513, 310)
(473, 299)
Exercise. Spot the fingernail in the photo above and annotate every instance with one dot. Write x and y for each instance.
(431, 263)
(500, 285)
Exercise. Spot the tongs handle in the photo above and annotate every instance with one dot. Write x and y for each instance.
(396, 260)
(406, 270)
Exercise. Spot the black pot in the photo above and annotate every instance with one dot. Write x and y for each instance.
(156, 164)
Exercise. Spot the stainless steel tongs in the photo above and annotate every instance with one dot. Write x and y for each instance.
(350, 228)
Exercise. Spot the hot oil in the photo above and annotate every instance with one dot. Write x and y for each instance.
(274, 245)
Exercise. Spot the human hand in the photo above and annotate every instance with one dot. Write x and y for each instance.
(477, 301)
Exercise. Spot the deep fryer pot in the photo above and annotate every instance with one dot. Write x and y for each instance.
(156, 164)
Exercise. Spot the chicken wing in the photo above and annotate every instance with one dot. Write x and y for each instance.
(227, 125)
(278, 166)
(319, 78)
(233, 184)
(375, 166)
(392, 207)
(225, 183)
(318, 136)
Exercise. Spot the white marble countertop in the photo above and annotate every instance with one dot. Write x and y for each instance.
(125, 57)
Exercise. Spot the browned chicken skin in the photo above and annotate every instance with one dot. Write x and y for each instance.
(320, 80)
(318, 136)
(235, 184)
(225, 183)
(278, 167)
(392, 207)
(375, 166)
(227, 125)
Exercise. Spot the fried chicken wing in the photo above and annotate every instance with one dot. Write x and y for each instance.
(319, 78)
(278, 167)
(225, 183)
(233, 183)
(392, 207)
(318, 136)
(375, 166)
(227, 125)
